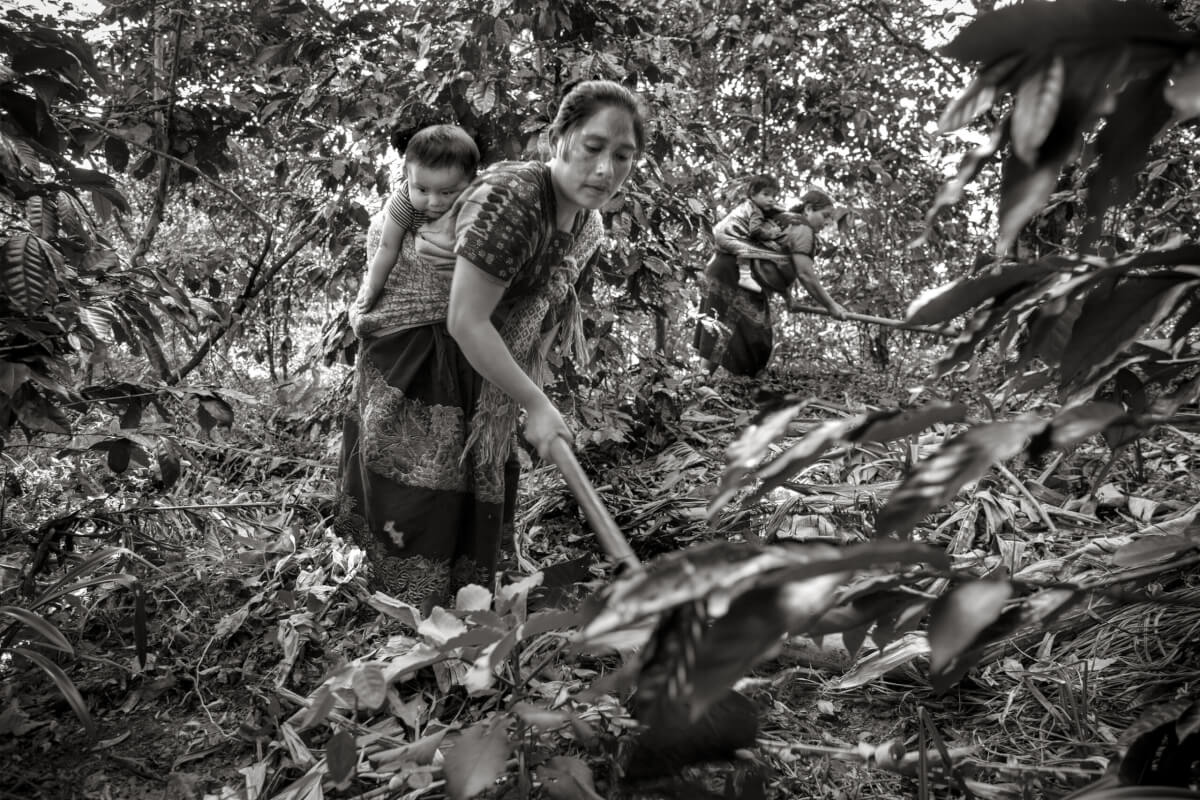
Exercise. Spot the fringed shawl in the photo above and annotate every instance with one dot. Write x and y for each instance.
(504, 224)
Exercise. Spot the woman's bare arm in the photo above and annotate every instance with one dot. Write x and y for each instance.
(474, 295)
(805, 275)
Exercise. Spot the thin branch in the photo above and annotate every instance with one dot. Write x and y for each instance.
(165, 125)
(245, 206)
(903, 40)
(242, 302)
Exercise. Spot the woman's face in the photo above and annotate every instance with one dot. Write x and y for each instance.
(593, 159)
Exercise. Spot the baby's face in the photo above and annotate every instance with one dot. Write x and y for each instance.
(433, 190)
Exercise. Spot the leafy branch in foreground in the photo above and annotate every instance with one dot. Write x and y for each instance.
(1069, 65)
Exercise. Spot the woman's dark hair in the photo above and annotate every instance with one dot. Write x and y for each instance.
(814, 199)
(589, 97)
(440, 146)
(758, 183)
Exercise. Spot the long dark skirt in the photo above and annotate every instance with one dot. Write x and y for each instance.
(734, 330)
(429, 521)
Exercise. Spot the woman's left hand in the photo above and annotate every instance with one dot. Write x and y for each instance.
(544, 424)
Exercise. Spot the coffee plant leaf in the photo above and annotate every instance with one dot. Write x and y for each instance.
(958, 616)
(936, 480)
(476, 759)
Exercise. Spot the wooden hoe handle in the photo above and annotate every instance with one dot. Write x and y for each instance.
(605, 527)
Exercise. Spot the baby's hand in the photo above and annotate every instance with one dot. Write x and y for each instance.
(769, 230)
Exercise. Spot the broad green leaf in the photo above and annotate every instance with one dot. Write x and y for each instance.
(1049, 330)
(567, 778)
(341, 753)
(38, 415)
(369, 684)
(884, 426)
(1035, 108)
(958, 616)
(119, 453)
(1182, 88)
(801, 455)
(936, 480)
(747, 451)
(64, 685)
(1122, 145)
(43, 216)
(1114, 316)
(907, 648)
(29, 266)
(946, 302)
(420, 752)
(476, 760)
(1154, 548)
(1040, 26)
(1077, 424)
(1023, 192)
(323, 702)
(75, 223)
(13, 376)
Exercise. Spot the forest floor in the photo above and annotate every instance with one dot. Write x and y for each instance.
(233, 650)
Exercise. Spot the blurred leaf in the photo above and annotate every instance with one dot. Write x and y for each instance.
(946, 302)
(567, 778)
(317, 712)
(1154, 548)
(936, 480)
(1077, 424)
(214, 411)
(889, 424)
(956, 619)
(370, 686)
(1122, 145)
(1035, 108)
(170, 463)
(1182, 89)
(1023, 192)
(1038, 27)
(341, 753)
(745, 452)
(801, 455)
(476, 760)
(951, 191)
(1114, 316)
(980, 94)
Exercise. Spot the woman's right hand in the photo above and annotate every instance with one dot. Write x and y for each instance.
(544, 424)
(366, 299)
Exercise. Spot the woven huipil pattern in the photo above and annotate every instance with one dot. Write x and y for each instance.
(416, 293)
